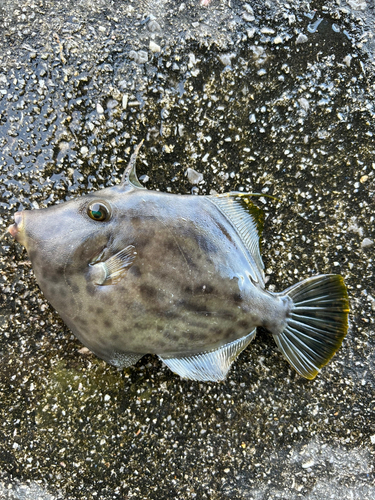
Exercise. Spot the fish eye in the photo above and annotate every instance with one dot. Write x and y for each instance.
(99, 211)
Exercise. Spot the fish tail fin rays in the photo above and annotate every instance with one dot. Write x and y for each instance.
(317, 323)
(130, 175)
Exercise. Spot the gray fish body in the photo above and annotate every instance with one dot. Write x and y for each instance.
(133, 271)
(192, 285)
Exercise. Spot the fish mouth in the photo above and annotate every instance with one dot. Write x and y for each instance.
(16, 228)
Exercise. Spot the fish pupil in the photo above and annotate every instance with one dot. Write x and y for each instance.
(97, 214)
(98, 211)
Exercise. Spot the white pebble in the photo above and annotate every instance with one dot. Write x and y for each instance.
(366, 242)
(142, 57)
(357, 4)
(248, 9)
(124, 101)
(192, 61)
(304, 103)
(301, 38)
(193, 176)
(144, 178)
(154, 47)
(267, 31)
(250, 32)
(154, 26)
(226, 59)
(307, 465)
(248, 17)
(347, 60)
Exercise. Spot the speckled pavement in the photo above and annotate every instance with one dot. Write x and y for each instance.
(270, 97)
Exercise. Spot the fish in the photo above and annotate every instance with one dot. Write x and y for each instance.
(133, 271)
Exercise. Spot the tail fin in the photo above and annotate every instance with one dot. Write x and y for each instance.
(317, 324)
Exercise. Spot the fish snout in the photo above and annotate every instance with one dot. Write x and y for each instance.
(16, 228)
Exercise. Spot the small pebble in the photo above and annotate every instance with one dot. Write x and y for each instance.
(308, 464)
(347, 60)
(226, 59)
(154, 26)
(154, 47)
(193, 176)
(248, 8)
(366, 243)
(357, 4)
(304, 103)
(248, 17)
(142, 57)
(267, 31)
(301, 38)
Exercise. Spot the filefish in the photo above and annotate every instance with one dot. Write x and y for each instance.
(133, 271)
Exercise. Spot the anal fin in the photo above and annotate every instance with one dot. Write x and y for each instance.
(209, 366)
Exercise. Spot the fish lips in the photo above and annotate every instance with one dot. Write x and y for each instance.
(17, 229)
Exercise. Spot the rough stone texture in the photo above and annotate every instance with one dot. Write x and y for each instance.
(269, 97)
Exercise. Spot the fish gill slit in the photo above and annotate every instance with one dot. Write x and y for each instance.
(67, 282)
(69, 286)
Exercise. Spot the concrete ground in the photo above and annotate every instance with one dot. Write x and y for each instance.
(270, 97)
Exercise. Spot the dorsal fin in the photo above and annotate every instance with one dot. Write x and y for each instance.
(246, 218)
(130, 175)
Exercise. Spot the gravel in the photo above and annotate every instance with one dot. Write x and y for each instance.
(269, 97)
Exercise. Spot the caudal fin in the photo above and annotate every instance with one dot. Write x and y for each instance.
(317, 324)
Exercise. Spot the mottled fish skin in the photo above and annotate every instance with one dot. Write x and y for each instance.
(177, 276)
(190, 287)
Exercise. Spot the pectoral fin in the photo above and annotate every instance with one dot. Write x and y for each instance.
(112, 270)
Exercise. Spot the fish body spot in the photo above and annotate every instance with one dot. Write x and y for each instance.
(237, 297)
(148, 291)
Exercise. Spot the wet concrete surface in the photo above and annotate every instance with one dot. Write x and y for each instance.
(268, 97)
